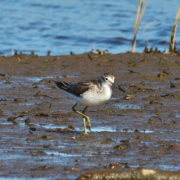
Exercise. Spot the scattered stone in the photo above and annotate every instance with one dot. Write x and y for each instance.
(32, 129)
(46, 137)
(128, 97)
(17, 100)
(172, 85)
(140, 138)
(11, 119)
(161, 75)
(154, 120)
(2, 74)
(70, 128)
(42, 114)
(136, 131)
(42, 168)
(132, 71)
(1, 111)
(114, 166)
(123, 146)
(107, 141)
(75, 169)
(27, 121)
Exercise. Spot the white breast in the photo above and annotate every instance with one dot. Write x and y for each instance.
(95, 96)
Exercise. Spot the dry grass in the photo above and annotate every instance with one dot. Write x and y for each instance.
(173, 35)
(139, 15)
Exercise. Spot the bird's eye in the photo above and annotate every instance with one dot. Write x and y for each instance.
(106, 79)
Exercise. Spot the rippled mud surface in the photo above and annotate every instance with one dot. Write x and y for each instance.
(40, 136)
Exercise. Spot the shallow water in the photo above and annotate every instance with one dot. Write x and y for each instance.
(128, 106)
(80, 26)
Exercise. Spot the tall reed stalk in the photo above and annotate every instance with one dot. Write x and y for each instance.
(139, 15)
(173, 35)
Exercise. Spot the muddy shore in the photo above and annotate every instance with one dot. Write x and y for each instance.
(40, 136)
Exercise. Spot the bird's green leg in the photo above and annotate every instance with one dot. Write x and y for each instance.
(84, 118)
(88, 119)
(85, 131)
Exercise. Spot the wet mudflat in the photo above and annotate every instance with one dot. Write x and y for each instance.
(40, 136)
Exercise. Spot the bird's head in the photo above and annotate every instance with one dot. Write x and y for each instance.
(109, 78)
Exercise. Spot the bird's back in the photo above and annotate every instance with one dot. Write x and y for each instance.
(76, 89)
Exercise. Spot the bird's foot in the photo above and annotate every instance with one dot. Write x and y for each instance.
(85, 133)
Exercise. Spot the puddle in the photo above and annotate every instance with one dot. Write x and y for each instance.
(145, 131)
(178, 115)
(51, 126)
(169, 167)
(38, 79)
(27, 104)
(6, 123)
(35, 79)
(56, 153)
(103, 129)
(4, 85)
(96, 129)
(13, 156)
(68, 155)
(128, 106)
(21, 120)
(111, 129)
(17, 80)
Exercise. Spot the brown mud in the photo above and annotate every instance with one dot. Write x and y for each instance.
(40, 136)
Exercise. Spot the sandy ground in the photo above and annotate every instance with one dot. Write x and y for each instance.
(40, 136)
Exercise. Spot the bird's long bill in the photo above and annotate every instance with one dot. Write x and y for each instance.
(119, 87)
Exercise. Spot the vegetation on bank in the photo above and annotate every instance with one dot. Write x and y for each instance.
(140, 12)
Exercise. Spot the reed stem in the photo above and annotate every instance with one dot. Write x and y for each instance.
(173, 35)
(139, 15)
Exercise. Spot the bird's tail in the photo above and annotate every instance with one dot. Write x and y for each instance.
(62, 85)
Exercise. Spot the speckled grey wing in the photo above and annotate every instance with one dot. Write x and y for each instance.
(74, 88)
